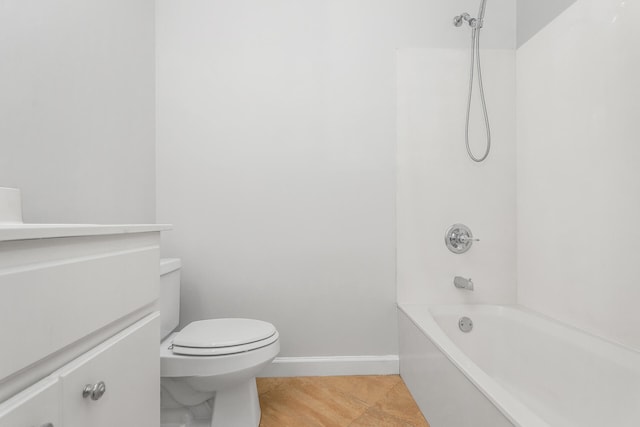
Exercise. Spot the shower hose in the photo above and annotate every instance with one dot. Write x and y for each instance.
(475, 61)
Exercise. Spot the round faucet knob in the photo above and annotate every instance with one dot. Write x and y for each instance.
(459, 238)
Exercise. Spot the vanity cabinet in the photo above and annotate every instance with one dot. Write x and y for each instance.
(38, 406)
(127, 369)
(128, 366)
(80, 327)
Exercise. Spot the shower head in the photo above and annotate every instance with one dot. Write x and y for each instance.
(483, 4)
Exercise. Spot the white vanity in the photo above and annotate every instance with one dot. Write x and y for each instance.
(79, 325)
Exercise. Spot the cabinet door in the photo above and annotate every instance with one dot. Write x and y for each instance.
(129, 366)
(37, 406)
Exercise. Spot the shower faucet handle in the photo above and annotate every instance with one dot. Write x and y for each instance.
(463, 238)
(459, 238)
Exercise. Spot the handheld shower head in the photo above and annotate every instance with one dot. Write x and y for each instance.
(476, 25)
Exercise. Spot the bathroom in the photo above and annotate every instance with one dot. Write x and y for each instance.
(309, 157)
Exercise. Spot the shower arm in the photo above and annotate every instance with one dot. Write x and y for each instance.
(465, 17)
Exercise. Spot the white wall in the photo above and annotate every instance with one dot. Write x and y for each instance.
(578, 157)
(533, 15)
(276, 158)
(438, 185)
(77, 109)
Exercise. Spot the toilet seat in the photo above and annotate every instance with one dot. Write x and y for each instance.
(217, 337)
(179, 365)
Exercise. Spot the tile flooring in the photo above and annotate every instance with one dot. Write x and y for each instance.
(355, 401)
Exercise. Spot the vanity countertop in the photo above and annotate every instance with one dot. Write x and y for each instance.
(47, 231)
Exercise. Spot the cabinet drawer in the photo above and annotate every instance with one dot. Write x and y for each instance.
(129, 366)
(57, 303)
(37, 406)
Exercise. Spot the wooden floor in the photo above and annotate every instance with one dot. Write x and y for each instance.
(338, 401)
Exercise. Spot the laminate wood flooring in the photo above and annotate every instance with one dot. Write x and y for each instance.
(353, 401)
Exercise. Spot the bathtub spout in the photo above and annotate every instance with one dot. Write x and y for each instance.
(462, 283)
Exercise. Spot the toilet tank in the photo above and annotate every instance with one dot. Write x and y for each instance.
(169, 295)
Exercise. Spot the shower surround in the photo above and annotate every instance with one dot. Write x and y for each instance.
(438, 185)
(554, 208)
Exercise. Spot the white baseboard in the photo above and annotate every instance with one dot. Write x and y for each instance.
(332, 365)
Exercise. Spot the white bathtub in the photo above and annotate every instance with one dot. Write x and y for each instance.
(514, 368)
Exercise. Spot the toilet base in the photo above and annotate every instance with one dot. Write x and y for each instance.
(178, 418)
(237, 406)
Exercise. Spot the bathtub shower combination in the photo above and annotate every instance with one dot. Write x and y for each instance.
(486, 365)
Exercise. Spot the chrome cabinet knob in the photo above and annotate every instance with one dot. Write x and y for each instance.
(94, 391)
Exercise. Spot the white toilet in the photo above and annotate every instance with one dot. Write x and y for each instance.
(209, 368)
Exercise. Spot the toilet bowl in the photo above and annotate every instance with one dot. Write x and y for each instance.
(209, 368)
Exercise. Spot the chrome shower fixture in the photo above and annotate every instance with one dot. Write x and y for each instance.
(465, 17)
(476, 25)
(459, 238)
(462, 283)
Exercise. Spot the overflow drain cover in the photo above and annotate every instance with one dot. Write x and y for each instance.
(465, 324)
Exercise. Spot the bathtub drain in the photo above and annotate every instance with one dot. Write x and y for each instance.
(465, 324)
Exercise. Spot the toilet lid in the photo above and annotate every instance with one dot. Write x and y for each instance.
(223, 336)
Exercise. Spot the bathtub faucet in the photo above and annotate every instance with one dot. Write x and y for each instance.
(462, 283)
